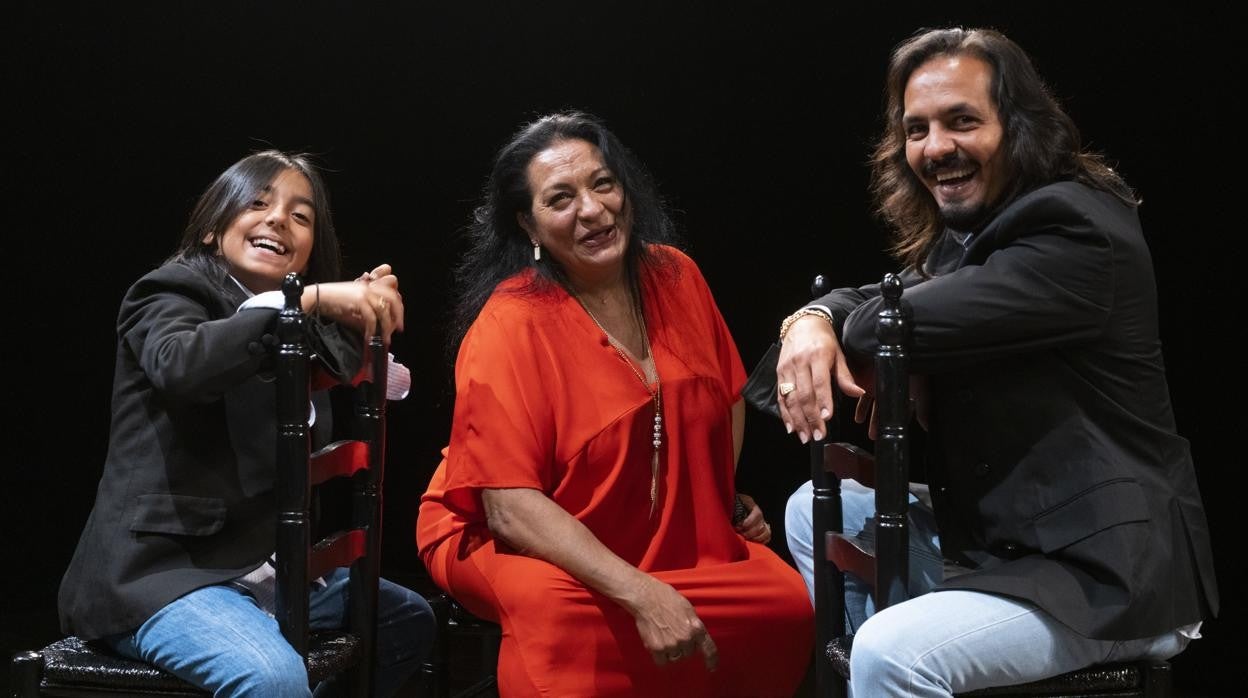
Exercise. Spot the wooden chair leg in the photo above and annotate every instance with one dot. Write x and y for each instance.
(437, 670)
(26, 674)
(1157, 680)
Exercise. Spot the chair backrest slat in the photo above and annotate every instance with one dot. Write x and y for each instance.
(338, 550)
(339, 459)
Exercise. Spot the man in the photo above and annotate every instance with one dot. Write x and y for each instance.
(1056, 475)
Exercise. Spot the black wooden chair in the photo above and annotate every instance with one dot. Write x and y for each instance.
(71, 667)
(467, 646)
(886, 566)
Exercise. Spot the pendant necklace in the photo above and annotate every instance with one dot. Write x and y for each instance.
(655, 394)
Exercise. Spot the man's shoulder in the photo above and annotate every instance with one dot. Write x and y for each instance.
(1057, 194)
(1065, 203)
(1065, 196)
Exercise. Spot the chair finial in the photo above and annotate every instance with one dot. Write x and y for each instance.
(292, 288)
(819, 287)
(891, 288)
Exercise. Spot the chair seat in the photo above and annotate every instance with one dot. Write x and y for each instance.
(1125, 679)
(467, 623)
(70, 663)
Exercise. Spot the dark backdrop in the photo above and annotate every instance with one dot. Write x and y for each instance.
(755, 118)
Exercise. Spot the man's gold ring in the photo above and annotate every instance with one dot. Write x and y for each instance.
(786, 388)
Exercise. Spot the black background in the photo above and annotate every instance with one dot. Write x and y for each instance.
(755, 118)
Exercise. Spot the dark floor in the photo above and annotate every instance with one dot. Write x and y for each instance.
(33, 626)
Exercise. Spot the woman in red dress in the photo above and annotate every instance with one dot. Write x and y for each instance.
(585, 501)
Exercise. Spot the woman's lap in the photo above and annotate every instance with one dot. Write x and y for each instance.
(756, 611)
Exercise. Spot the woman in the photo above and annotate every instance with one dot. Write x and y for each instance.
(173, 566)
(586, 497)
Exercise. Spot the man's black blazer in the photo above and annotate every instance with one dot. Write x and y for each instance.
(1053, 459)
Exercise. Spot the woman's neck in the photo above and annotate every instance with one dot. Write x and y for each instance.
(597, 293)
(614, 308)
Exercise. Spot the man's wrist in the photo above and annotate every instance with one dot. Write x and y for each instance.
(804, 312)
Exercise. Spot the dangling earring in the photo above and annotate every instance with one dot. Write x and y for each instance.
(537, 251)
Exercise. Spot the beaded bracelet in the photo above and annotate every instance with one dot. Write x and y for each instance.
(809, 310)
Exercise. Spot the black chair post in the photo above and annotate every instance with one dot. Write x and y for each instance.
(293, 486)
(829, 583)
(25, 674)
(367, 507)
(892, 451)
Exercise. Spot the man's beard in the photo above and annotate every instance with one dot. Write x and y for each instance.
(964, 218)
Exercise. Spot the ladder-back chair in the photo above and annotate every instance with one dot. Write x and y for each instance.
(886, 564)
(72, 667)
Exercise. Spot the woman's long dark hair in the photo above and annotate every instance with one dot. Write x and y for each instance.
(498, 248)
(233, 191)
(1042, 144)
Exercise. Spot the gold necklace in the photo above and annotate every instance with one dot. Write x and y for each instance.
(655, 394)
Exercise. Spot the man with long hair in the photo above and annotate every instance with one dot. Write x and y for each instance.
(1060, 491)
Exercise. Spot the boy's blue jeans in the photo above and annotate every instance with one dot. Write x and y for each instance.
(219, 639)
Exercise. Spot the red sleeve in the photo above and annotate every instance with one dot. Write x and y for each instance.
(729, 359)
(503, 430)
(695, 300)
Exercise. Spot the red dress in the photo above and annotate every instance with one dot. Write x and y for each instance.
(545, 402)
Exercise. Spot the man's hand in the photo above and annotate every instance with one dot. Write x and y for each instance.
(809, 357)
(918, 406)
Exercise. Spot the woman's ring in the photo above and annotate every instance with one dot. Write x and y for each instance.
(786, 388)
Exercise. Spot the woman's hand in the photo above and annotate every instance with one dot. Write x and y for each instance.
(532, 524)
(370, 304)
(669, 627)
(809, 356)
(753, 527)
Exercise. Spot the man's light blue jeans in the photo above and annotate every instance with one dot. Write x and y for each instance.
(935, 645)
(219, 639)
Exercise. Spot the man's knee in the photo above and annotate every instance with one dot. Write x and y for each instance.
(406, 625)
(879, 663)
(857, 506)
(278, 674)
(798, 524)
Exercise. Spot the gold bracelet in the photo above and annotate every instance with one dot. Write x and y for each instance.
(788, 321)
